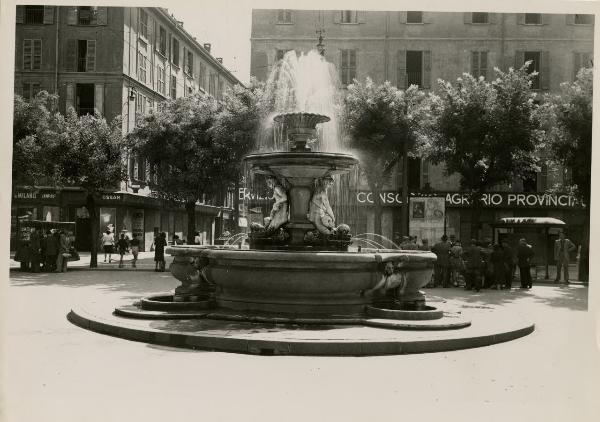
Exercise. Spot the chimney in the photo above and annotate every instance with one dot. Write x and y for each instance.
(220, 60)
(180, 23)
(207, 47)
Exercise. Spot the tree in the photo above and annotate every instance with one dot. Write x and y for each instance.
(89, 155)
(32, 149)
(568, 117)
(487, 132)
(384, 125)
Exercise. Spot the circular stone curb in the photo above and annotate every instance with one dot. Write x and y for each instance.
(159, 303)
(327, 340)
(401, 314)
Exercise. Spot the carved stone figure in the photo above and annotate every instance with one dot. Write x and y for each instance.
(393, 278)
(320, 212)
(279, 212)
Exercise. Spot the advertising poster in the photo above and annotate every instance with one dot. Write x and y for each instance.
(426, 218)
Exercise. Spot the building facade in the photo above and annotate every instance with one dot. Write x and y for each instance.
(118, 61)
(418, 48)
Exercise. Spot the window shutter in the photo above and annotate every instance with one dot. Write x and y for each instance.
(545, 69)
(520, 18)
(545, 18)
(468, 17)
(91, 56)
(361, 16)
(483, 63)
(475, 63)
(427, 69)
(492, 18)
(99, 98)
(401, 68)
(27, 54)
(337, 14)
(71, 56)
(70, 97)
(20, 17)
(280, 15)
(519, 59)
(427, 17)
(570, 19)
(402, 17)
(72, 16)
(37, 54)
(48, 15)
(102, 15)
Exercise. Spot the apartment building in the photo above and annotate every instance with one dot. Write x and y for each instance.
(118, 61)
(420, 47)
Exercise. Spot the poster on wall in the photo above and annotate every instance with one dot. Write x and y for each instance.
(137, 225)
(426, 218)
(108, 219)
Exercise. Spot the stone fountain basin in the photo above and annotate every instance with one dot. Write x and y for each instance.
(301, 164)
(299, 282)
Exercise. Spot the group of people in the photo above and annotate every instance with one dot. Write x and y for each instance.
(124, 245)
(483, 265)
(48, 252)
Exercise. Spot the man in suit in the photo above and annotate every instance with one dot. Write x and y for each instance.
(524, 256)
(562, 248)
(442, 265)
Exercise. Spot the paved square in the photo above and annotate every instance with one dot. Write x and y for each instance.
(57, 371)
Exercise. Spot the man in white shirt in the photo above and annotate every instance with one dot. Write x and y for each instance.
(562, 248)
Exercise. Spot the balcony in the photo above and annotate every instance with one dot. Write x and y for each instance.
(414, 78)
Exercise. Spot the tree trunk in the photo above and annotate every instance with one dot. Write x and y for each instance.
(475, 218)
(90, 201)
(190, 209)
(236, 205)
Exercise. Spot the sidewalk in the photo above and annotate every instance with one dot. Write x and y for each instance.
(145, 262)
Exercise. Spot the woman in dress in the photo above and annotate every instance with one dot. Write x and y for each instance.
(159, 251)
(108, 242)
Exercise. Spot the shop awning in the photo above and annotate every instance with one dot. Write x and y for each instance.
(528, 222)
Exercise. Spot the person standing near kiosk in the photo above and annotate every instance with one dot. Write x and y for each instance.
(562, 249)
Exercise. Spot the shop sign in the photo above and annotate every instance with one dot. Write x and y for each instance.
(515, 200)
(245, 194)
(387, 198)
(111, 197)
(34, 195)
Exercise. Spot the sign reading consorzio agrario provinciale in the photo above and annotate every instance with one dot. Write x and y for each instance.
(491, 199)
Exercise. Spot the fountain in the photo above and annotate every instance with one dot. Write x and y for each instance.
(299, 269)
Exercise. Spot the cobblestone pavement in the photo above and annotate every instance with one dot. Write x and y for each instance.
(56, 371)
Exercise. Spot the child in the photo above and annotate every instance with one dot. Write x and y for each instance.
(135, 249)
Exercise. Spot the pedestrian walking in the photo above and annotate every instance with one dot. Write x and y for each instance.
(473, 265)
(457, 265)
(135, 249)
(63, 252)
(488, 269)
(159, 251)
(562, 249)
(123, 247)
(524, 256)
(51, 250)
(442, 265)
(108, 243)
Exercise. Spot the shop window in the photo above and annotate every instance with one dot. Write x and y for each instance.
(85, 99)
(414, 17)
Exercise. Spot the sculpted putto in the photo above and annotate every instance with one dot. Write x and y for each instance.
(279, 212)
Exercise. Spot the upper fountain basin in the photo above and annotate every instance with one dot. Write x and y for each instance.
(300, 164)
(301, 120)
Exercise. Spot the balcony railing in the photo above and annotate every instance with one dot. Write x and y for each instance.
(82, 64)
(414, 78)
(82, 111)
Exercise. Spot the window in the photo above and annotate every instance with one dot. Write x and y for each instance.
(32, 54)
(212, 84)
(348, 16)
(414, 68)
(161, 76)
(584, 19)
(142, 68)
(189, 63)
(86, 55)
(533, 18)
(34, 15)
(85, 99)
(479, 64)
(87, 15)
(175, 52)
(143, 23)
(173, 87)
(582, 60)
(534, 57)
(414, 17)
(221, 89)
(479, 17)
(284, 16)
(348, 66)
(202, 76)
(30, 89)
(162, 41)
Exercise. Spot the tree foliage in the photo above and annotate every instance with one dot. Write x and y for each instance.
(381, 121)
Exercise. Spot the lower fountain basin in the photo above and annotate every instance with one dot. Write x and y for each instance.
(304, 283)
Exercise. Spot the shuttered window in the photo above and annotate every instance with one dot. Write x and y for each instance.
(479, 63)
(347, 66)
(175, 52)
(32, 54)
(173, 87)
(284, 16)
(30, 89)
(143, 23)
(161, 74)
(142, 68)
(162, 41)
